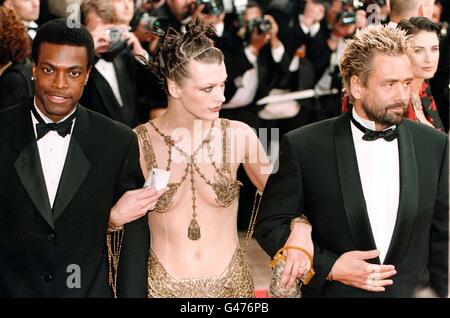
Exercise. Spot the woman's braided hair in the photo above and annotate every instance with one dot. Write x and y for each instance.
(176, 50)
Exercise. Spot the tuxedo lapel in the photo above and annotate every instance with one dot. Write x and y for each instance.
(125, 88)
(408, 202)
(76, 166)
(352, 193)
(106, 94)
(28, 164)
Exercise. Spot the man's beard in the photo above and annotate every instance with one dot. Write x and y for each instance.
(380, 114)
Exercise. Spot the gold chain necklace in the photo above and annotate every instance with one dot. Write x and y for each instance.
(417, 103)
(193, 229)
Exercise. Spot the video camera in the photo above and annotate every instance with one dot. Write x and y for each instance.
(214, 7)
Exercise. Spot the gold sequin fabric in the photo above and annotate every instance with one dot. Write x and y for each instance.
(235, 282)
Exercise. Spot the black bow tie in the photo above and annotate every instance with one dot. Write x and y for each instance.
(370, 135)
(63, 128)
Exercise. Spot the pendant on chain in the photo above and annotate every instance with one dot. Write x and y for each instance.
(194, 230)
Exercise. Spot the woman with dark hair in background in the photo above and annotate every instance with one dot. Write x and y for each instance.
(15, 69)
(423, 54)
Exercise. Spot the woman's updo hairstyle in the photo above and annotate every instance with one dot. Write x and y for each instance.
(176, 50)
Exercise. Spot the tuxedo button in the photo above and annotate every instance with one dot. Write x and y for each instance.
(51, 237)
(47, 278)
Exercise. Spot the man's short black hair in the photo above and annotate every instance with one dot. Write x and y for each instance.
(59, 32)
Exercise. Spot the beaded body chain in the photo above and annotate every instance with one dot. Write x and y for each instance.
(225, 188)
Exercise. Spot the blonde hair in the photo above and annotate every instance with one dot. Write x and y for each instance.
(102, 8)
(360, 51)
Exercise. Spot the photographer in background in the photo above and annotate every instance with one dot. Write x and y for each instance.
(111, 89)
(255, 64)
(27, 11)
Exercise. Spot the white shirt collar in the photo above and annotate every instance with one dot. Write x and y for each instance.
(365, 122)
(220, 27)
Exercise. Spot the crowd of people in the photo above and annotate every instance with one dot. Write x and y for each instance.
(98, 96)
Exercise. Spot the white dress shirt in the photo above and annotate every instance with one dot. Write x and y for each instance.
(378, 164)
(31, 29)
(107, 70)
(52, 151)
(248, 83)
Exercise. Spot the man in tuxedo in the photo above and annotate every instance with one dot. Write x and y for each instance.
(373, 186)
(112, 86)
(66, 173)
(27, 11)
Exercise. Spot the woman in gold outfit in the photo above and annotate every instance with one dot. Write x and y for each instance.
(195, 250)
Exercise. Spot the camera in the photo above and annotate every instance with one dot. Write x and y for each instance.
(214, 7)
(117, 43)
(115, 35)
(261, 25)
(155, 24)
(346, 18)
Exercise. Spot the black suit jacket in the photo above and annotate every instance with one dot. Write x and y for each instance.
(318, 175)
(16, 85)
(99, 97)
(40, 245)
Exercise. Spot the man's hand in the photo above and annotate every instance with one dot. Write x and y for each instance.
(134, 205)
(102, 41)
(297, 263)
(352, 269)
(134, 44)
(274, 40)
(314, 12)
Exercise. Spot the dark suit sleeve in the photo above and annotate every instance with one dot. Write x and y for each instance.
(132, 272)
(283, 200)
(13, 89)
(438, 261)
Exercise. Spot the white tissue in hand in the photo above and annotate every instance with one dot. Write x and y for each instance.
(157, 179)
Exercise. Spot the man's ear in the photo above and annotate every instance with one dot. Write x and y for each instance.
(33, 71)
(174, 89)
(355, 87)
(421, 11)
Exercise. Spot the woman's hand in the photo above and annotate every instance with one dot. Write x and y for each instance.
(297, 262)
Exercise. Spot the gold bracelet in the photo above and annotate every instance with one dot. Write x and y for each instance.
(112, 228)
(301, 219)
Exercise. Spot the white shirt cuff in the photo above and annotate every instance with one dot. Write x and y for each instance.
(277, 53)
(252, 58)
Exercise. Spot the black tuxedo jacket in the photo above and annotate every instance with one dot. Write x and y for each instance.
(40, 246)
(318, 176)
(269, 71)
(99, 97)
